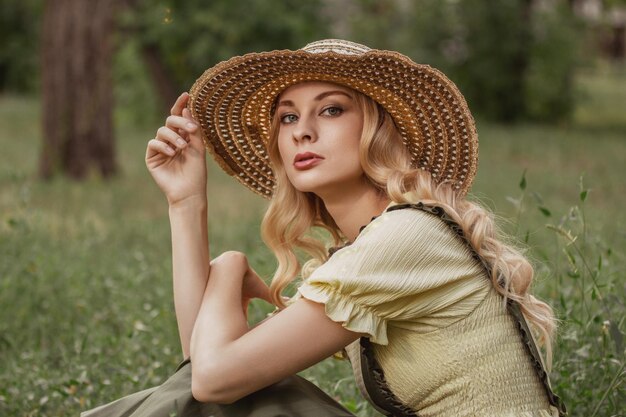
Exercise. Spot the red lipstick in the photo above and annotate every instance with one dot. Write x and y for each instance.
(306, 160)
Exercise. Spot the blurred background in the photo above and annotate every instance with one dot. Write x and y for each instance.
(86, 314)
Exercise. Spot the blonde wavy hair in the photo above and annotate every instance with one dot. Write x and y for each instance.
(292, 215)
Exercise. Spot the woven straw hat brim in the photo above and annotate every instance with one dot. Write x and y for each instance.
(233, 102)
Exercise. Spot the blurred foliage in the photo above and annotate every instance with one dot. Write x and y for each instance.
(512, 62)
(548, 91)
(193, 35)
(187, 37)
(19, 34)
(135, 98)
(614, 3)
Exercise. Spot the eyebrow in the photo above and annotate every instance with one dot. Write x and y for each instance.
(317, 98)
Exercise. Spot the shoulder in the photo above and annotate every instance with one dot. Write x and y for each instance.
(407, 228)
(406, 264)
(400, 240)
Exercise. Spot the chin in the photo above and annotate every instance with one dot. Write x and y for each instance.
(320, 189)
(323, 185)
(306, 188)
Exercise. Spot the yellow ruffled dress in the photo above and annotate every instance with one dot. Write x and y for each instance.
(440, 332)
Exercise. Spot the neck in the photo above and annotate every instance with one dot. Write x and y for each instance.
(353, 208)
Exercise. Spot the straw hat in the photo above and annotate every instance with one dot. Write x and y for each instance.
(234, 102)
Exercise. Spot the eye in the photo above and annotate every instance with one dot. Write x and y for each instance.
(332, 111)
(288, 118)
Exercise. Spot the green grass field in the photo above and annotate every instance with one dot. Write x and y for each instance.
(86, 314)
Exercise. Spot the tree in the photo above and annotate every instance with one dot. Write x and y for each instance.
(77, 91)
(179, 39)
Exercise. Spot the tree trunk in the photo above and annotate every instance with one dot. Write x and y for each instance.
(77, 50)
(618, 46)
(163, 80)
(166, 88)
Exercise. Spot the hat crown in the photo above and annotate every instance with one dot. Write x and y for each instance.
(339, 46)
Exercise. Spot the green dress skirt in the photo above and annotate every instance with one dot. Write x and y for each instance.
(292, 397)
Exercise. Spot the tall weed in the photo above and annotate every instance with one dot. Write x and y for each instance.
(583, 279)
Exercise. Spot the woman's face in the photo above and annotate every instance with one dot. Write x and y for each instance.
(318, 139)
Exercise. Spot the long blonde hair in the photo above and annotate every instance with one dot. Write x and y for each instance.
(386, 163)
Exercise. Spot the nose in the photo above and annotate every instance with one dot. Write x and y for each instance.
(305, 130)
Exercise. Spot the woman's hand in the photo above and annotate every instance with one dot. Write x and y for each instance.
(233, 265)
(176, 157)
(253, 287)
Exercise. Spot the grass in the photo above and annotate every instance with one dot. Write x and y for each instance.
(86, 314)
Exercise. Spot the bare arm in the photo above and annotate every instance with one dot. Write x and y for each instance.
(230, 361)
(190, 263)
(176, 159)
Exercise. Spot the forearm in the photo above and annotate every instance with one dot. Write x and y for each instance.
(190, 263)
(221, 319)
(221, 329)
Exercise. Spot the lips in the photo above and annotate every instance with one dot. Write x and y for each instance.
(306, 160)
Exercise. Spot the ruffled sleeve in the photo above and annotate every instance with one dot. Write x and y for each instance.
(405, 269)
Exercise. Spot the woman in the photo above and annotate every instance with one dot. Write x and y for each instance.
(431, 308)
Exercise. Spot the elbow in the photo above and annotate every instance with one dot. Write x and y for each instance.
(208, 385)
(204, 394)
(234, 259)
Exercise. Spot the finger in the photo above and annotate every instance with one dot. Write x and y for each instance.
(179, 105)
(258, 287)
(156, 146)
(195, 137)
(266, 295)
(179, 122)
(168, 135)
(187, 116)
(245, 304)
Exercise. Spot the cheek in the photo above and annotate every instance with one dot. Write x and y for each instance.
(353, 147)
(283, 150)
(346, 162)
(355, 162)
(351, 133)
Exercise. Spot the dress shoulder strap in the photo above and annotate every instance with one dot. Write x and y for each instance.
(373, 375)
